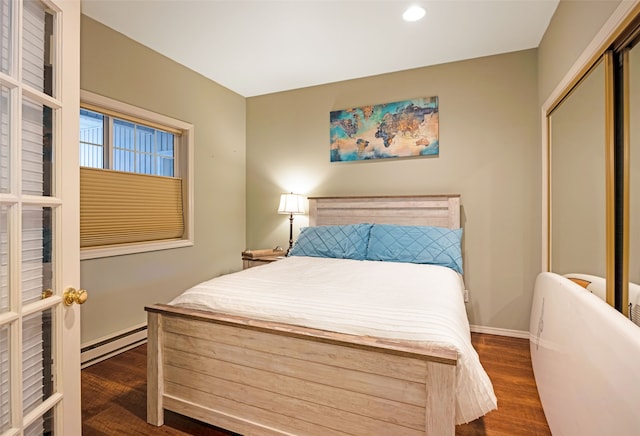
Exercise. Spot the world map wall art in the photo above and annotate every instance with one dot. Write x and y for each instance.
(402, 129)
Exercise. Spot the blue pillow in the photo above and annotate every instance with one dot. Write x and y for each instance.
(339, 242)
(416, 244)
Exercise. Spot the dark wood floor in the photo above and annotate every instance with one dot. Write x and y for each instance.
(114, 395)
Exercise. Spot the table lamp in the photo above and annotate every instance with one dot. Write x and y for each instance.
(292, 204)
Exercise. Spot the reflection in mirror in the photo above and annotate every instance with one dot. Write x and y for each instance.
(578, 180)
(634, 184)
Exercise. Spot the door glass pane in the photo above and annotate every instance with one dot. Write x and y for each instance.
(37, 42)
(37, 359)
(37, 129)
(6, 33)
(5, 376)
(5, 140)
(37, 274)
(4, 259)
(42, 426)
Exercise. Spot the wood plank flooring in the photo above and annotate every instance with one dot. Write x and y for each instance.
(114, 395)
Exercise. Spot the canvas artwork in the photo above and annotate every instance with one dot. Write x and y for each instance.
(391, 130)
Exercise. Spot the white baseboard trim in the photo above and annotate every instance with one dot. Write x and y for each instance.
(111, 345)
(500, 332)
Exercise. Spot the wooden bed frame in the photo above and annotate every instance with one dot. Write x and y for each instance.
(265, 378)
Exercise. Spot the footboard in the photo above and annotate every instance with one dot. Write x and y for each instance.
(256, 377)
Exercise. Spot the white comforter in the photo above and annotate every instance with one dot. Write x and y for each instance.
(384, 299)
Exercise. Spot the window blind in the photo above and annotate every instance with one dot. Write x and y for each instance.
(122, 208)
(5, 149)
(32, 253)
(6, 30)
(5, 146)
(5, 379)
(32, 261)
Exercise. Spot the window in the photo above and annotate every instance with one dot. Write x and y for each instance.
(132, 147)
(135, 179)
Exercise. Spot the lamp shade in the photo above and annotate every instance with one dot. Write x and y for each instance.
(291, 204)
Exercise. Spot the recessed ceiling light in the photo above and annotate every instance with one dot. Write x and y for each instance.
(414, 13)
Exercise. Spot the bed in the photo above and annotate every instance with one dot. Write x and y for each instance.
(236, 365)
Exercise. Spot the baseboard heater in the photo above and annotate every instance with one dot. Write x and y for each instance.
(112, 345)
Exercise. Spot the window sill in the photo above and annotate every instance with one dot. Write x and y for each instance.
(119, 250)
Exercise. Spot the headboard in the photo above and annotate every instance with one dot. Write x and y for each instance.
(423, 210)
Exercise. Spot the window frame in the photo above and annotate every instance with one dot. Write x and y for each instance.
(184, 163)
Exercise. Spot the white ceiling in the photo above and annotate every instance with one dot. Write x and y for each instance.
(256, 47)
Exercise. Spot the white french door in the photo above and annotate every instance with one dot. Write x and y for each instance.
(39, 208)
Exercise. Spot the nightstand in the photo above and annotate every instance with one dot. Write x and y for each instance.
(251, 258)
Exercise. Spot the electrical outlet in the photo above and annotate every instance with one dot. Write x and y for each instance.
(466, 295)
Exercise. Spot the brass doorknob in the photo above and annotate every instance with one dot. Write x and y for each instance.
(71, 295)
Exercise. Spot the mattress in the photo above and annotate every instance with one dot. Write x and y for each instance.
(384, 299)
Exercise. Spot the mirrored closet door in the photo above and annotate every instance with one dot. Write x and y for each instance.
(578, 180)
(593, 170)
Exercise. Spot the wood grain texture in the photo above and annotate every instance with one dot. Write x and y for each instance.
(262, 375)
(192, 320)
(427, 210)
(155, 414)
(508, 363)
(114, 396)
(441, 420)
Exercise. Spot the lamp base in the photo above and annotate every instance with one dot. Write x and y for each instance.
(290, 232)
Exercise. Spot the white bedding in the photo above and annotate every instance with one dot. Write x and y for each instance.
(384, 299)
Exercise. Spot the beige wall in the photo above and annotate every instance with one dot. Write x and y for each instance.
(120, 287)
(489, 153)
(572, 28)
